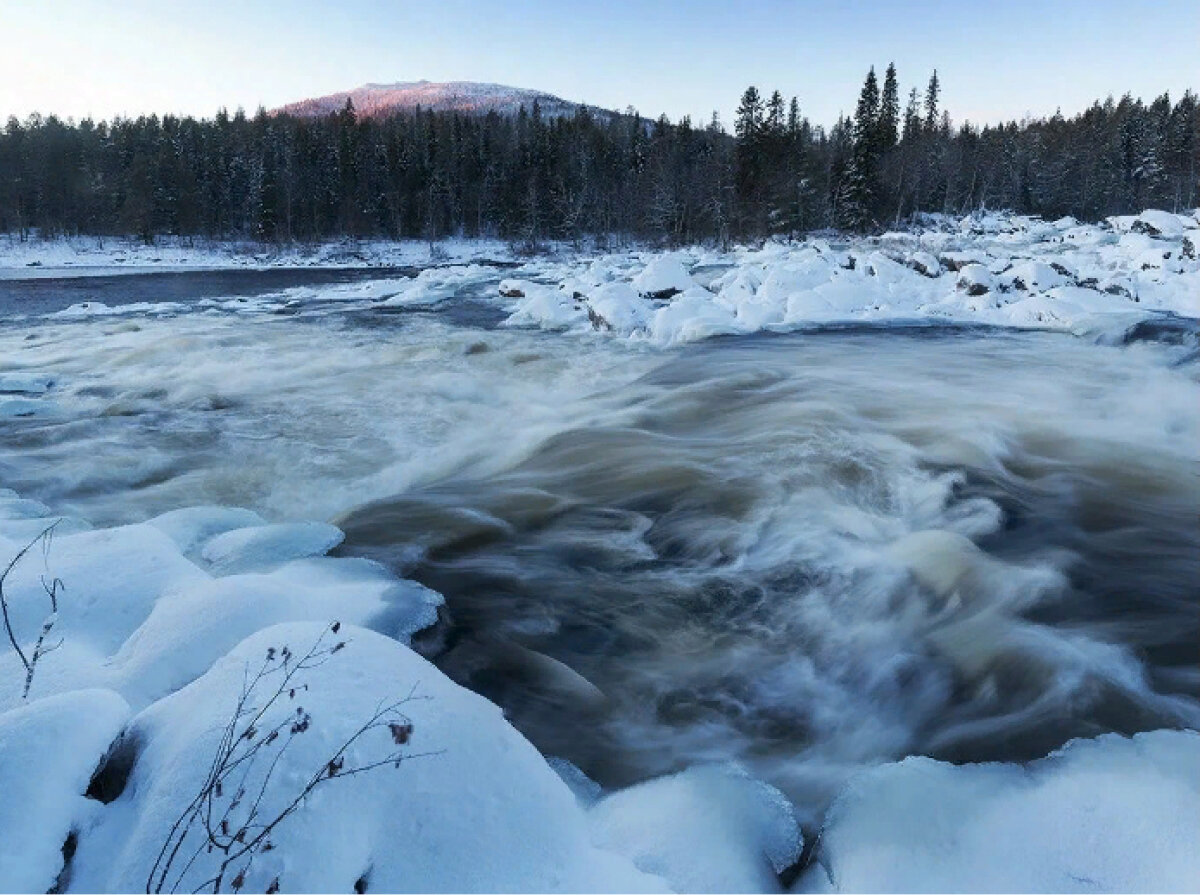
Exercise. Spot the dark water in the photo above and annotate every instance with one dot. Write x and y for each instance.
(46, 295)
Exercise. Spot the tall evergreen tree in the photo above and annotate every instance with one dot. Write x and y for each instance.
(889, 110)
(933, 94)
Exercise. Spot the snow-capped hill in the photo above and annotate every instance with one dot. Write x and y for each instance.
(378, 100)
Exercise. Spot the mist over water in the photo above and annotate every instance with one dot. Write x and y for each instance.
(807, 553)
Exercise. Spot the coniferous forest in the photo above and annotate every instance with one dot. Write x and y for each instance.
(532, 177)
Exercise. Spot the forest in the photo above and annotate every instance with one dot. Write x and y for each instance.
(532, 177)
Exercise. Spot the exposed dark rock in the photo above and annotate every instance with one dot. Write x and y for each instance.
(1140, 226)
(64, 876)
(597, 320)
(112, 775)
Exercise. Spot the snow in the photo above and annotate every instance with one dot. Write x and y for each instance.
(49, 750)
(662, 277)
(1110, 815)
(155, 651)
(91, 256)
(706, 829)
(993, 269)
(473, 807)
(990, 268)
(262, 546)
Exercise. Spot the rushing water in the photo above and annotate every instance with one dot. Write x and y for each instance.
(808, 553)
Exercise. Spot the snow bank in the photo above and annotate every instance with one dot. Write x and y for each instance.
(1110, 815)
(82, 256)
(48, 752)
(472, 807)
(707, 829)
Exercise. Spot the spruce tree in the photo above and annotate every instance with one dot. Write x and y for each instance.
(912, 117)
(889, 110)
(856, 194)
(750, 128)
(932, 95)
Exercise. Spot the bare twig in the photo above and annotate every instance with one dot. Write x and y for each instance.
(52, 587)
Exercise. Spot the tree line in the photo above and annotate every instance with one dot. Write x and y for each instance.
(533, 177)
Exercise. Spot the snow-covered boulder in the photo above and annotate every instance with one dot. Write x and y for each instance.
(925, 264)
(471, 807)
(663, 277)
(547, 308)
(975, 279)
(619, 307)
(187, 633)
(1104, 815)
(49, 750)
(691, 316)
(112, 579)
(513, 288)
(265, 546)
(1032, 276)
(191, 527)
(706, 829)
(1154, 222)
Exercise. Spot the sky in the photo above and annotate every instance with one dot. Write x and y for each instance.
(996, 60)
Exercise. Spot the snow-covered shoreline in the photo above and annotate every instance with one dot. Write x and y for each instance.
(991, 269)
(34, 257)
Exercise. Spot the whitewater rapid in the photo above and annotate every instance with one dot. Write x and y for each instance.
(809, 552)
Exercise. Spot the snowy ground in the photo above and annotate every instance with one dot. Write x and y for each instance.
(83, 255)
(164, 623)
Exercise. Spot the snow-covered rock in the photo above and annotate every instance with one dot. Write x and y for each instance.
(472, 806)
(975, 279)
(1104, 815)
(706, 829)
(663, 277)
(619, 307)
(191, 527)
(265, 546)
(49, 750)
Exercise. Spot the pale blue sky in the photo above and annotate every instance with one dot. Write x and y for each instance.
(996, 60)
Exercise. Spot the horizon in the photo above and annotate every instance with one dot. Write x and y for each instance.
(141, 61)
